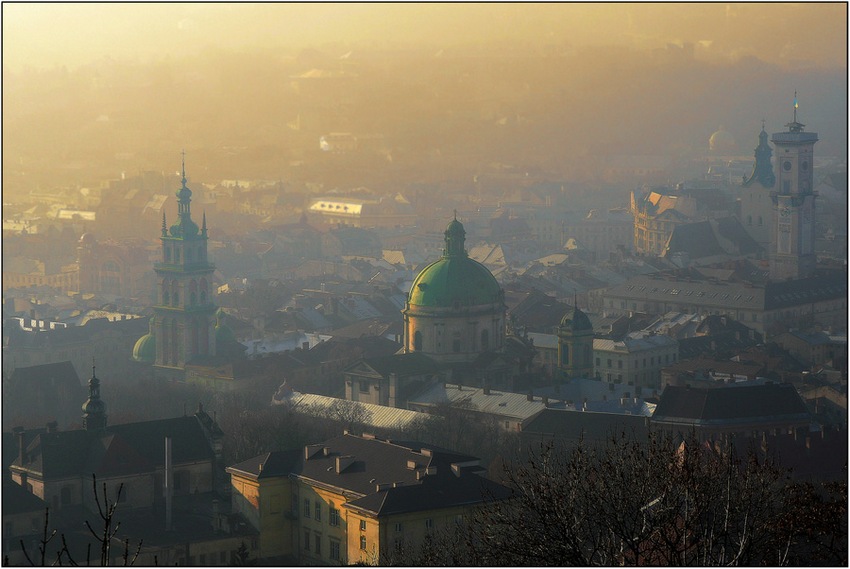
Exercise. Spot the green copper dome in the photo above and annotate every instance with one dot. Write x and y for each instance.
(145, 349)
(455, 280)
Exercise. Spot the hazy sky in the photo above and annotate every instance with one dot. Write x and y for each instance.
(44, 34)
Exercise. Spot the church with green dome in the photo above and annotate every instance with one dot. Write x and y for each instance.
(455, 310)
(183, 326)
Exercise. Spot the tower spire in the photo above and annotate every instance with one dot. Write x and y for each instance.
(795, 105)
(164, 228)
(184, 166)
(204, 224)
(94, 409)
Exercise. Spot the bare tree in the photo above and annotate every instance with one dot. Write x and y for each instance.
(632, 502)
(105, 537)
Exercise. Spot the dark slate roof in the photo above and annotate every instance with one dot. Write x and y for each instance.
(575, 425)
(17, 500)
(697, 239)
(269, 465)
(824, 286)
(382, 462)
(61, 371)
(402, 364)
(432, 493)
(730, 405)
(127, 448)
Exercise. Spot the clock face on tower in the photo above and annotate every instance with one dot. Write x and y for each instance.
(786, 165)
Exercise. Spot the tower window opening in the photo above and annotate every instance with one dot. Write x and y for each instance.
(417, 341)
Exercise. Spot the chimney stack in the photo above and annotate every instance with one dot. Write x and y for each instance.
(19, 434)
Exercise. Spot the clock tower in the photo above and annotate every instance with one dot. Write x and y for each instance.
(793, 228)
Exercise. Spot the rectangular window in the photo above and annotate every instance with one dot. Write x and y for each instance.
(318, 511)
(429, 523)
(619, 364)
(609, 362)
(399, 527)
(318, 543)
(598, 362)
(307, 540)
(364, 387)
(362, 525)
(652, 361)
(333, 516)
(363, 543)
(306, 508)
(334, 549)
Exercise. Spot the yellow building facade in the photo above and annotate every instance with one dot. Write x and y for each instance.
(355, 499)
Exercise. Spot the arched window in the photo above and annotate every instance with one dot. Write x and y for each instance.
(417, 341)
(456, 342)
(165, 295)
(167, 253)
(189, 254)
(176, 254)
(565, 355)
(485, 340)
(760, 221)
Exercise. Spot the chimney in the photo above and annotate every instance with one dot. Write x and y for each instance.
(52, 426)
(545, 401)
(305, 346)
(343, 462)
(486, 391)
(530, 396)
(19, 433)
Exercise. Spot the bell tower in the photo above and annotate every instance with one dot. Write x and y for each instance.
(184, 315)
(793, 231)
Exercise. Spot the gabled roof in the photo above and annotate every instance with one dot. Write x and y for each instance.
(731, 405)
(401, 364)
(120, 449)
(586, 425)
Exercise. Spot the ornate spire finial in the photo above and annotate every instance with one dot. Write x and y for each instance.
(164, 229)
(795, 105)
(204, 224)
(762, 124)
(455, 215)
(184, 166)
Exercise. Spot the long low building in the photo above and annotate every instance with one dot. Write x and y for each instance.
(822, 298)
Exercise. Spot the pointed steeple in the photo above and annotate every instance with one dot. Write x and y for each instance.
(762, 169)
(94, 409)
(164, 227)
(204, 225)
(185, 227)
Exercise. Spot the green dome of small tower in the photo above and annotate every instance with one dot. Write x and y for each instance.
(145, 349)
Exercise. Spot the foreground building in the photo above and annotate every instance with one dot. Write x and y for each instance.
(355, 499)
